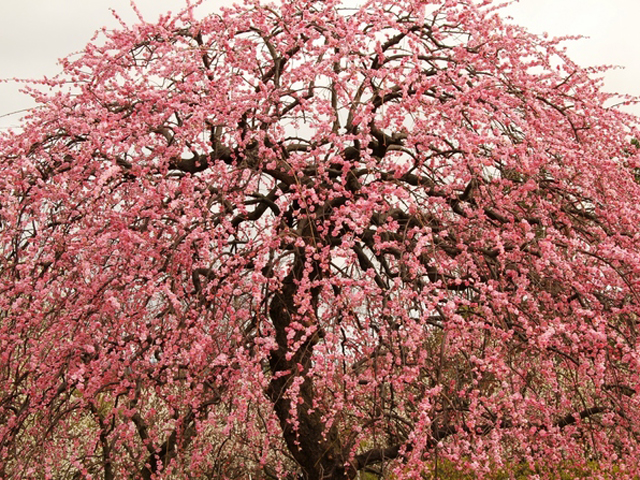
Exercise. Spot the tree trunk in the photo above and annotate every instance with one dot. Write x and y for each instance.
(319, 456)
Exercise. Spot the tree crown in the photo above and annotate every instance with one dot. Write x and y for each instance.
(306, 240)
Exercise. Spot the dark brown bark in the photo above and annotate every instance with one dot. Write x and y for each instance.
(316, 449)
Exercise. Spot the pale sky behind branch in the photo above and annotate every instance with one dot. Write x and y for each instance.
(34, 34)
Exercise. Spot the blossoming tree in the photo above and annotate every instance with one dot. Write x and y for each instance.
(308, 241)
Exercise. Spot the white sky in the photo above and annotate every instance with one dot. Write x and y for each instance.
(35, 33)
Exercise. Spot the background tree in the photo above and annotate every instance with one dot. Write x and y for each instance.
(318, 241)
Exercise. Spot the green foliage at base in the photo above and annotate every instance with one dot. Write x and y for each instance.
(447, 470)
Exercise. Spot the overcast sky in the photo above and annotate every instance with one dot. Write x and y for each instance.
(35, 33)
